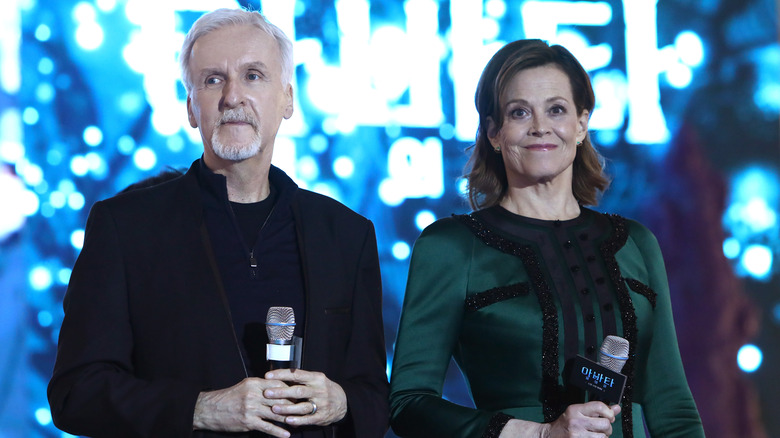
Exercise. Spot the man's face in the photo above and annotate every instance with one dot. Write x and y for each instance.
(237, 98)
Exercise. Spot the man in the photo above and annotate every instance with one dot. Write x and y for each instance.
(163, 332)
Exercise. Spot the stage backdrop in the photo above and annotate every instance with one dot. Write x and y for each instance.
(688, 95)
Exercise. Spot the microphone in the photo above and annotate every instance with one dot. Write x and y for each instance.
(613, 353)
(603, 380)
(280, 325)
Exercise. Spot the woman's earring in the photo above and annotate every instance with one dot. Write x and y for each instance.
(497, 149)
(579, 143)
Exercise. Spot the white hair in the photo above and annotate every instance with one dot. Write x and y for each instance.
(220, 18)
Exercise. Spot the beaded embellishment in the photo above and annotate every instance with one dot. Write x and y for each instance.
(642, 289)
(496, 425)
(627, 313)
(492, 296)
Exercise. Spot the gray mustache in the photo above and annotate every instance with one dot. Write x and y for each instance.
(236, 116)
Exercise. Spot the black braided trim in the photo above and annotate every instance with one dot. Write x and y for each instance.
(643, 289)
(609, 248)
(496, 425)
(492, 296)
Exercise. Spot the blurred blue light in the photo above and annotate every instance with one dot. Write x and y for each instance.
(318, 143)
(106, 5)
(446, 131)
(495, 8)
(606, 138)
(130, 102)
(463, 187)
(125, 145)
(759, 216)
(42, 187)
(44, 92)
(45, 66)
(57, 199)
(43, 416)
(30, 115)
(97, 165)
(343, 167)
(77, 239)
(10, 151)
(165, 121)
(393, 130)
(144, 158)
(32, 174)
(175, 143)
(40, 278)
(84, 12)
(679, 76)
(755, 182)
(47, 210)
(79, 165)
(76, 201)
(489, 29)
(92, 135)
(690, 48)
(307, 168)
(767, 97)
(749, 358)
(731, 248)
(54, 157)
(89, 36)
(401, 250)
(424, 218)
(329, 126)
(776, 313)
(63, 275)
(42, 32)
(45, 318)
(66, 186)
(757, 261)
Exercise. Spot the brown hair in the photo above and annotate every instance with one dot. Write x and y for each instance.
(485, 172)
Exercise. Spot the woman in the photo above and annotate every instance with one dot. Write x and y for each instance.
(532, 278)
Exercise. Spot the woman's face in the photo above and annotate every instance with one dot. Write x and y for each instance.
(541, 129)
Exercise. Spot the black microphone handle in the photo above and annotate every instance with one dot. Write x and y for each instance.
(279, 365)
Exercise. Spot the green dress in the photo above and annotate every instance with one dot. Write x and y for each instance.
(513, 300)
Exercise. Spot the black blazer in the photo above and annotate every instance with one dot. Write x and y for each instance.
(147, 324)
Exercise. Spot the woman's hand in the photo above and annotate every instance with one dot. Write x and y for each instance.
(591, 420)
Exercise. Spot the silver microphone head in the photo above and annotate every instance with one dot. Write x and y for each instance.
(613, 353)
(280, 324)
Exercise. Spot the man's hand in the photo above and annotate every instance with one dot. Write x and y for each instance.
(313, 399)
(241, 408)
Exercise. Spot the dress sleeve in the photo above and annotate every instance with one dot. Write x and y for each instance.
(666, 399)
(93, 390)
(427, 337)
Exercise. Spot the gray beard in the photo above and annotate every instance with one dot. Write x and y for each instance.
(235, 152)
